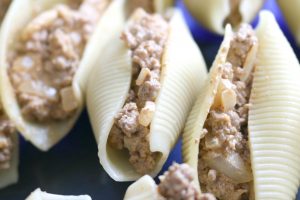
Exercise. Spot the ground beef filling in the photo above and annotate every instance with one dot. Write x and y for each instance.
(47, 56)
(146, 39)
(177, 184)
(226, 124)
(4, 4)
(6, 130)
(234, 18)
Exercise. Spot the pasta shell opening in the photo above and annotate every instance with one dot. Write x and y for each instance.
(45, 135)
(183, 69)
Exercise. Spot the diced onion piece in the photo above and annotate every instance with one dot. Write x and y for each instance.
(249, 62)
(69, 101)
(224, 85)
(3, 142)
(228, 99)
(145, 72)
(147, 113)
(231, 166)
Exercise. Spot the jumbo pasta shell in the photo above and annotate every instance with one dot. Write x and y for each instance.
(213, 14)
(145, 188)
(40, 195)
(182, 77)
(273, 115)
(44, 136)
(291, 13)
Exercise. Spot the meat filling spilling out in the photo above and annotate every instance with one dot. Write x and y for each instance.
(146, 39)
(177, 184)
(224, 165)
(4, 4)
(47, 56)
(6, 130)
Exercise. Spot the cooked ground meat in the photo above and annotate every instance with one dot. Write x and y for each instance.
(127, 119)
(47, 57)
(220, 185)
(177, 184)
(4, 4)
(6, 130)
(226, 130)
(146, 39)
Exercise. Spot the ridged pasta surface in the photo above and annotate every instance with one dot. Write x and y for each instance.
(274, 115)
(183, 76)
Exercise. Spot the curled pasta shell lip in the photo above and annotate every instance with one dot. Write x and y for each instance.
(182, 77)
(273, 115)
(212, 14)
(193, 130)
(145, 188)
(38, 194)
(44, 136)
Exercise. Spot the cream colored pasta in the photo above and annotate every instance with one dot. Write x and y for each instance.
(46, 134)
(182, 76)
(273, 114)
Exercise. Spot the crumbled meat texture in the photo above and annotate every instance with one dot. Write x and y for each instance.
(116, 138)
(146, 38)
(141, 157)
(177, 183)
(148, 91)
(234, 18)
(239, 47)
(127, 119)
(6, 130)
(227, 129)
(4, 4)
(221, 186)
(47, 56)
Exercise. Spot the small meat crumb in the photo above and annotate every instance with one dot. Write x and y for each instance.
(176, 183)
(127, 119)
